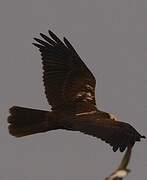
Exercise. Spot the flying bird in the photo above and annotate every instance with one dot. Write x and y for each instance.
(70, 91)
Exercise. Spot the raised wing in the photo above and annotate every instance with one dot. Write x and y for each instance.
(122, 170)
(126, 159)
(67, 79)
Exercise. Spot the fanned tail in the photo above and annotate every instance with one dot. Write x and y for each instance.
(25, 121)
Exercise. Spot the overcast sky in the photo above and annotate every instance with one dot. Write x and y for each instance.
(111, 38)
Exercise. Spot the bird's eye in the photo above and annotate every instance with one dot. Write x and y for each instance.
(113, 117)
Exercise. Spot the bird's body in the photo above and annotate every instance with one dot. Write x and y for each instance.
(70, 90)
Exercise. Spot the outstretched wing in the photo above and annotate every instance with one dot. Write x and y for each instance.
(117, 134)
(67, 79)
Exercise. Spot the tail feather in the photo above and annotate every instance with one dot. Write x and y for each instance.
(25, 121)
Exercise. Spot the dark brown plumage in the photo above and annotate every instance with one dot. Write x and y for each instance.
(70, 90)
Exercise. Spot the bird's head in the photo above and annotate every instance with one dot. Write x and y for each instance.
(113, 117)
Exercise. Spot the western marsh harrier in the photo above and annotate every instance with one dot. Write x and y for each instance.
(70, 90)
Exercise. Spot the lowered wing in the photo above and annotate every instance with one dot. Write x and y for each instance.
(117, 134)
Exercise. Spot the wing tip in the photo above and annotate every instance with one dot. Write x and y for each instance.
(144, 137)
(38, 45)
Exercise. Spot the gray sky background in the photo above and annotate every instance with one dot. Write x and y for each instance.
(111, 38)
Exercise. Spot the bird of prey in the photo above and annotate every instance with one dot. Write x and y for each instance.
(70, 90)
